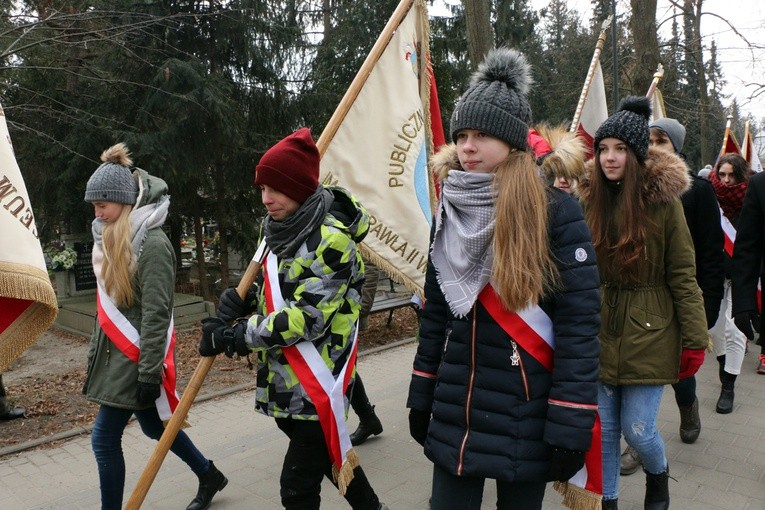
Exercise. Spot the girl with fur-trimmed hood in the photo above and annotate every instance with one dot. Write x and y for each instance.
(131, 357)
(560, 155)
(504, 380)
(653, 324)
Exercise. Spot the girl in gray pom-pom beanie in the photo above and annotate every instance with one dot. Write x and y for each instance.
(132, 349)
(511, 269)
(653, 325)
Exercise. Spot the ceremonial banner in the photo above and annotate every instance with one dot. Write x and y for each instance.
(654, 94)
(381, 148)
(27, 300)
(592, 108)
(729, 145)
(749, 152)
(594, 111)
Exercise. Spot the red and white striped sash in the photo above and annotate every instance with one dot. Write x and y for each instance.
(533, 330)
(128, 340)
(729, 231)
(326, 392)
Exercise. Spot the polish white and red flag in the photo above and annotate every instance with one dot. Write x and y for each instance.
(594, 110)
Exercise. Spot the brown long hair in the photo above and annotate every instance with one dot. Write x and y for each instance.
(619, 241)
(119, 260)
(524, 270)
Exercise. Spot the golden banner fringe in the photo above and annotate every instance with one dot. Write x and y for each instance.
(577, 498)
(393, 273)
(344, 475)
(27, 283)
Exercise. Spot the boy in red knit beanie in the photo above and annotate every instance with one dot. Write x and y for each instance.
(303, 323)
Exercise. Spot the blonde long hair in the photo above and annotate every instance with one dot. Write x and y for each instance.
(524, 270)
(119, 260)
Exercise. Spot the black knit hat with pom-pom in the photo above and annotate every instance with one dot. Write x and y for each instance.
(629, 124)
(496, 101)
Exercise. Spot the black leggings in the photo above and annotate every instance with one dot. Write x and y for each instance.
(466, 493)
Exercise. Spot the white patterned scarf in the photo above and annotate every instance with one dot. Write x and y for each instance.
(462, 250)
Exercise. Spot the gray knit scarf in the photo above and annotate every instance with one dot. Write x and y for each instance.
(462, 250)
(142, 219)
(285, 237)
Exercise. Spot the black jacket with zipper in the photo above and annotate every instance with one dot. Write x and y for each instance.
(493, 419)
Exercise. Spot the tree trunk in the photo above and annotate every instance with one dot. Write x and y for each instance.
(480, 35)
(643, 27)
(204, 283)
(693, 9)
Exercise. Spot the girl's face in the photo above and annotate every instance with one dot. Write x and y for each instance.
(565, 184)
(480, 152)
(279, 206)
(613, 158)
(108, 211)
(726, 175)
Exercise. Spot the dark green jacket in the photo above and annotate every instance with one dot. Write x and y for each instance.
(112, 377)
(645, 326)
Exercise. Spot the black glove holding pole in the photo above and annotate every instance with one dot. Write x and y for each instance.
(564, 464)
(218, 337)
(232, 307)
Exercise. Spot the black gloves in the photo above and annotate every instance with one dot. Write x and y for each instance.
(218, 336)
(231, 306)
(418, 425)
(746, 321)
(564, 464)
(146, 393)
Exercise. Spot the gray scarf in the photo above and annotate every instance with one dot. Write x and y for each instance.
(462, 247)
(285, 237)
(142, 220)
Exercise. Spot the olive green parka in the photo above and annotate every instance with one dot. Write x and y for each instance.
(112, 377)
(645, 325)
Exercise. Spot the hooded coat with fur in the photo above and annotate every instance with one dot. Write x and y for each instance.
(645, 326)
(494, 419)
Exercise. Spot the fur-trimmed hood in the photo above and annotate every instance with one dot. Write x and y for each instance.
(444, 160)
(666, 178)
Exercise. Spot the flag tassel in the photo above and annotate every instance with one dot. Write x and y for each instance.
(577, 498)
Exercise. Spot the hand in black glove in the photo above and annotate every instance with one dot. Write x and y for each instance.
(231, 306)
(744, 322)
(218, 337)
(564, 464)
(418, 425)
(146, 393)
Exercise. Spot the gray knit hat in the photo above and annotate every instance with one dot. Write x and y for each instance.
(496, 101)
(675, 131)
(113, 181)
(629, 124)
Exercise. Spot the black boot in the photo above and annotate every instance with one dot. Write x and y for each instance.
(656, 491)
(209, 483)
(610, 504)
(725, 402)
(690, 422)
(721, 368)
(369, 425)
(7, 412)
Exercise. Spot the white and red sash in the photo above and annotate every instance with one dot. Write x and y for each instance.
(533, 330)
(326, 392)
(729, 231)
(128, 340)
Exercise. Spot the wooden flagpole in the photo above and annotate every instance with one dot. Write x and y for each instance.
(200, 373)
(590, 72)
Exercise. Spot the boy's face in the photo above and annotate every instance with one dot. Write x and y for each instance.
(660, 140)
(279, 206)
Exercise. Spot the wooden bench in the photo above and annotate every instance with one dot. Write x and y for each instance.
(390, 299)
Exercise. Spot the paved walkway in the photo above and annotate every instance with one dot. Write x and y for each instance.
(724, 469)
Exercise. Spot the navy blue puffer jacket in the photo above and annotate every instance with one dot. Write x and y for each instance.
(493, 419)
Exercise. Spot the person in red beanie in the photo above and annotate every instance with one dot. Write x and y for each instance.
(304, 322)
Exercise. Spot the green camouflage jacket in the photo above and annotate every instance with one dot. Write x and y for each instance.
(321, 287)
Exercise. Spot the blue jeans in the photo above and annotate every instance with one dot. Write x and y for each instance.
(106, 440)
(466, 493)
(631, 410)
